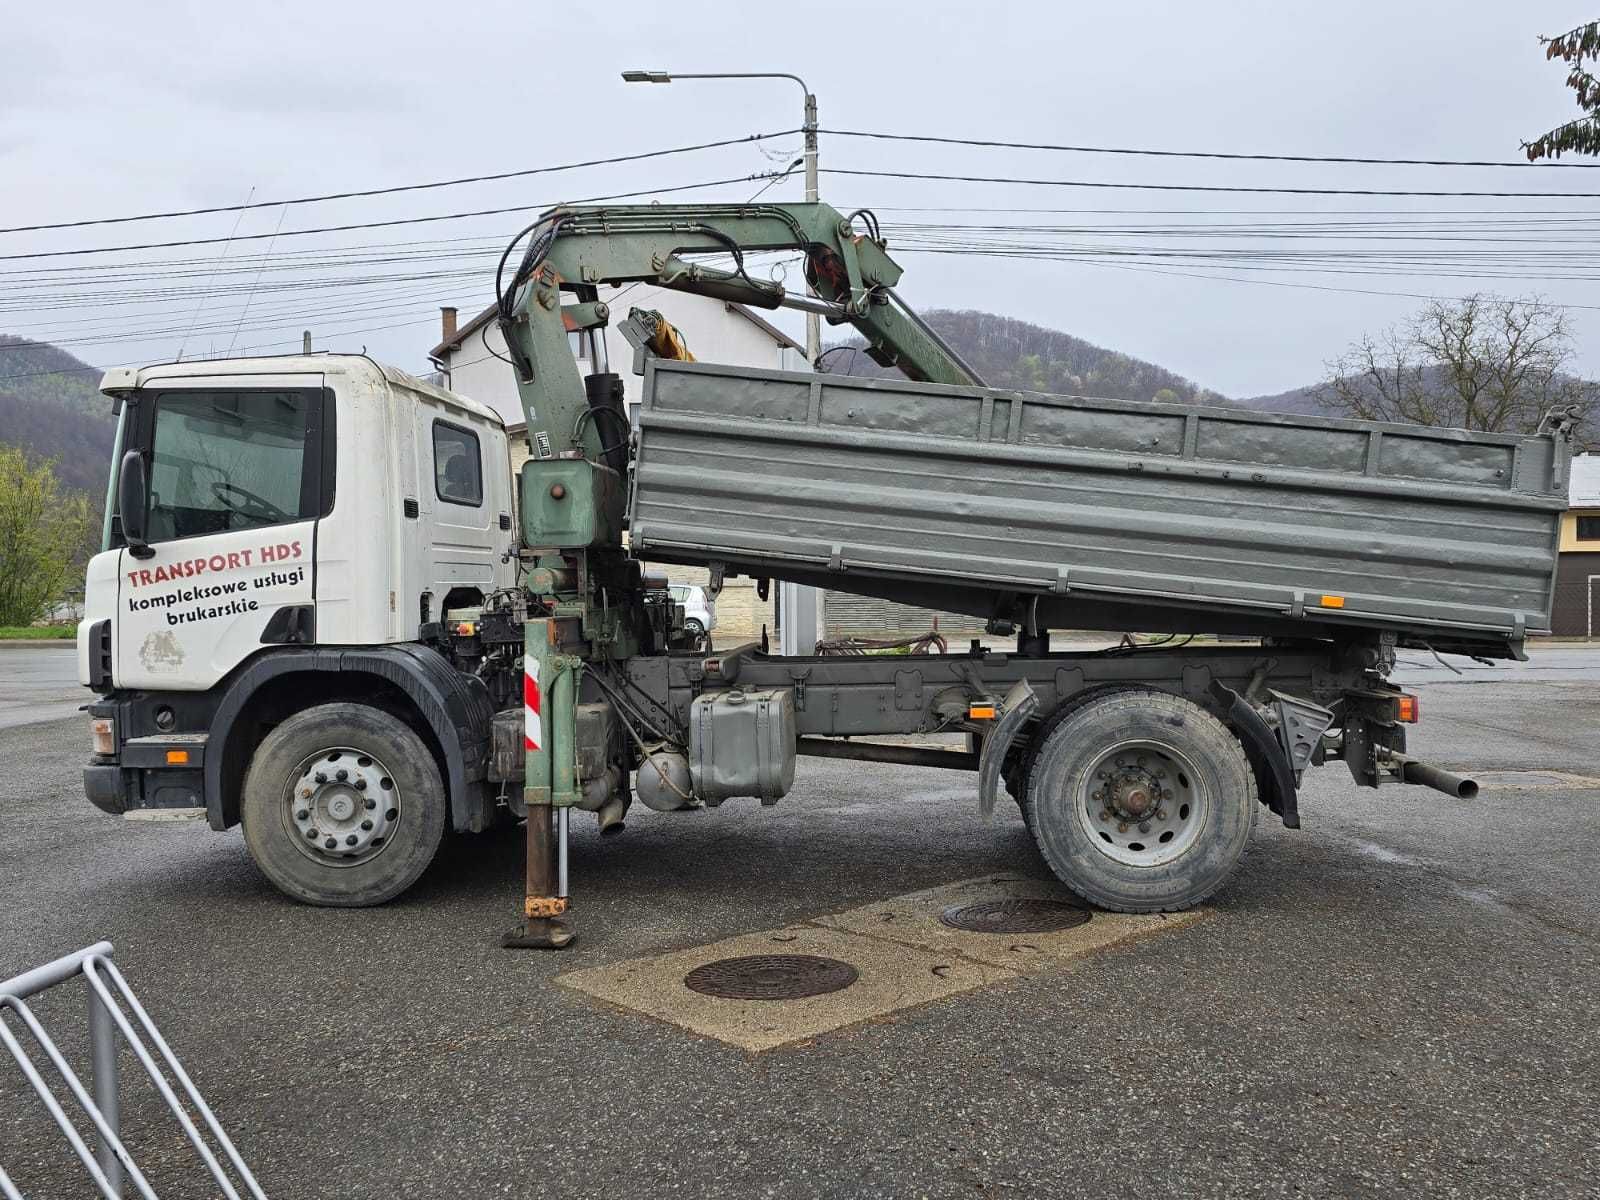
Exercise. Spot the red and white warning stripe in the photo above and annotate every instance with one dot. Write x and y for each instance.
(532, 730)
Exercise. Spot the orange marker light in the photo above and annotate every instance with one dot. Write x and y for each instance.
(466, 629)
(1407, 709)
(1333, 602)
(177, 758)
(981, 712)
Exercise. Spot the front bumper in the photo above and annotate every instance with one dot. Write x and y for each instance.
(107, 787)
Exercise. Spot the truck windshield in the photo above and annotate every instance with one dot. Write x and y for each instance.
(224, 461)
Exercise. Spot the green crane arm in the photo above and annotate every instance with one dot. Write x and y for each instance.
(578, 250)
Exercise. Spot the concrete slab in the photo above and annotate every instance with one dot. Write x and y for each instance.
(914, 920)
(1533, 780)
(905, 957)
(893, 977)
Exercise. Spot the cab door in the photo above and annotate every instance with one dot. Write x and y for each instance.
(240, 471)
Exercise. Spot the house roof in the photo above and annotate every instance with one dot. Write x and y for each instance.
(488, 314)
(766, 326)
(1583, 482)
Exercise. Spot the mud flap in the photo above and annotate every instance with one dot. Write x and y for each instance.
(1016, 708)
(1265, 751)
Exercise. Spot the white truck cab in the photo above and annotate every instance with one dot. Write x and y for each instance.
(281, 534)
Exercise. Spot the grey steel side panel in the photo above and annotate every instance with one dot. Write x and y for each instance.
(1203, 509)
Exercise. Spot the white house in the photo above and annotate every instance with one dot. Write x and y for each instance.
(471, 358)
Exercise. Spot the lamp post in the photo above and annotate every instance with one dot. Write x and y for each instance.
(813, 321)
(800, 616)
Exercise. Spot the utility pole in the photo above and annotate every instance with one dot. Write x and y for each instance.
(813, 320)
(809, 126)
(800, 623)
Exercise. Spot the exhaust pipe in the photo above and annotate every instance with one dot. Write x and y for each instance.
(610, 815)
(1428, 775)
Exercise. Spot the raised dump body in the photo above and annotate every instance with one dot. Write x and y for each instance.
(1113, 514)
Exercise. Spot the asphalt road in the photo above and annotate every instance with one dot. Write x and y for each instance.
(1397, 1000)
(38, 683)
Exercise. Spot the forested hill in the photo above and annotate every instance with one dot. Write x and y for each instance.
(49, 405)
(1008, 353)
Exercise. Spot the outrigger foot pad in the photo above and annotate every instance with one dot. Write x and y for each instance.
(539, 933)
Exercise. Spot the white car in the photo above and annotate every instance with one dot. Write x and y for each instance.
(699, 610)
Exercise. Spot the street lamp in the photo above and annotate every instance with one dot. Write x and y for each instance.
(813, 321)
(800, 619)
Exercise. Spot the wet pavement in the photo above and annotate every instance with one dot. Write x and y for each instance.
(1398, 999)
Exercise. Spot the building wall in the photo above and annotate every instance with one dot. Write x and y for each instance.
(1569, 530)
(715, 331)
(1571, 614)
(846, 615)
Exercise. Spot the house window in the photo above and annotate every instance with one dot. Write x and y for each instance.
(457, 465)
(1589, 529)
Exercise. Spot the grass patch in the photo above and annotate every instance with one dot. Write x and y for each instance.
(19, 633)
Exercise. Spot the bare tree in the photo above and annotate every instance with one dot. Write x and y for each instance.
(1479, 363)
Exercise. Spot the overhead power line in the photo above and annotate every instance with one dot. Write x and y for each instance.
(262, 346)
(457, 216)
(1202, 187)
(1236, 157)
(405, 187)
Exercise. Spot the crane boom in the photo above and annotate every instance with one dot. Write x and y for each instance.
(576, 251)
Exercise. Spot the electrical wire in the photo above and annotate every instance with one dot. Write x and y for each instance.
(457, 216)
(1202, 187)
(1215, 154)
(407, 187)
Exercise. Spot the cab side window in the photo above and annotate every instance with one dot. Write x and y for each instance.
(457, 465)
(224, 461)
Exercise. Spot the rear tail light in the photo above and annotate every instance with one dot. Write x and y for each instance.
(1407, 709)
(104, 732)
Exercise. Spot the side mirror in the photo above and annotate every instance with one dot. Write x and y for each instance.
(133, 498)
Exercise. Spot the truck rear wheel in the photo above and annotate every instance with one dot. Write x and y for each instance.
(343, 806)
(1141, 801)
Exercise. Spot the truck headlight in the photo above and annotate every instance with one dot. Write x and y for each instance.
(103, 730)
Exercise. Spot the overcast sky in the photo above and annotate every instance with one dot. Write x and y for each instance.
(111, 109)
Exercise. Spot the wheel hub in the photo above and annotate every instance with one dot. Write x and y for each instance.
(1140, 804)
(342, 806)
(1134, 791)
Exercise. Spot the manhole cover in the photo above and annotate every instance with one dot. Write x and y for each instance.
(1013, 916)
(771, 977)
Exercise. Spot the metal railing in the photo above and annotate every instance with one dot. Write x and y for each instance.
(111, 1001)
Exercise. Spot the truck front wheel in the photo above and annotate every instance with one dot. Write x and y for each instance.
(1141, 801)
(343, 806)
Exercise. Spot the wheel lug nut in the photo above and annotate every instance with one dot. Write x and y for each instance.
(1122, 827)
(366, 824)
(305, 793)
(1161, 814)
(361, 785)
(1104, 815)
(371, 804)
(311, 835)
(1144, 826)
(342, 775)
(351, 840)
(322, 777)
(302, 815)
(331, 843)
